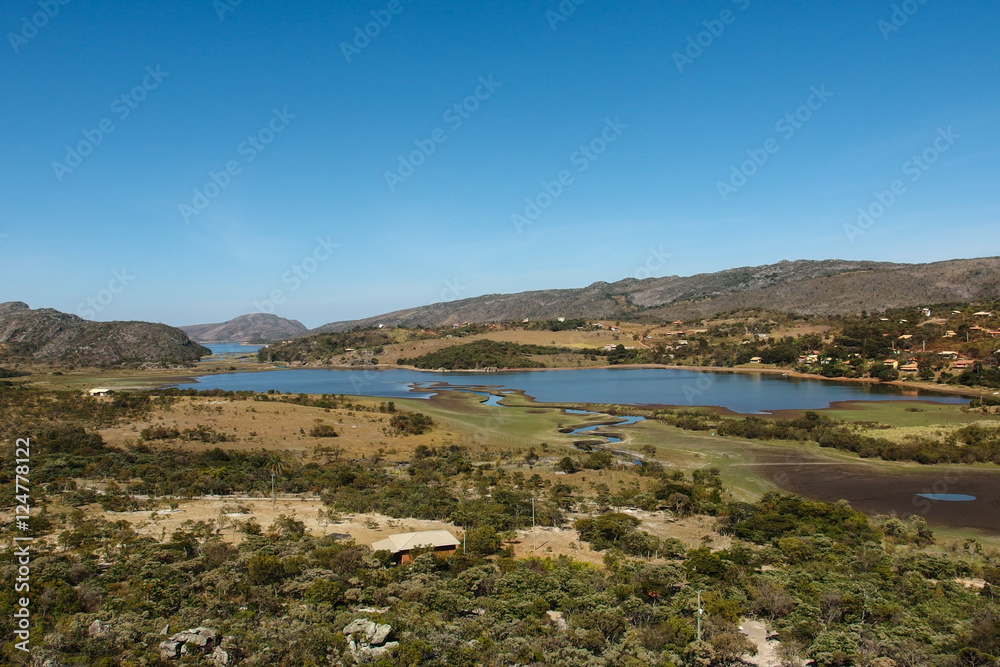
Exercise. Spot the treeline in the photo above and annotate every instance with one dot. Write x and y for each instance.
(971, 444)
(325, 346)
(484, 354)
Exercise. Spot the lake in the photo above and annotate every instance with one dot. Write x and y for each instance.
(232, 349)
(750, 393)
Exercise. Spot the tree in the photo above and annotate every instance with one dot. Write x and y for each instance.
(884, 372)
(483, 541)
(566, 465)
(275, 466)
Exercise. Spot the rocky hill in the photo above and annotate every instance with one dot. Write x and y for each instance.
(253, 328)
(804, 286)
(49, 337)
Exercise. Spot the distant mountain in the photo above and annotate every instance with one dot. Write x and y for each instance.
(47, 336)
(826, 287)
(253, 328)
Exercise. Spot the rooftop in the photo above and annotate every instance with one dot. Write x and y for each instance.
(409, 541)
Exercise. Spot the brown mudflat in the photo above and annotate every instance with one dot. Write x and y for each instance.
(895, 492)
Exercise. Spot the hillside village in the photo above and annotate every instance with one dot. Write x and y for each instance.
(949, 344)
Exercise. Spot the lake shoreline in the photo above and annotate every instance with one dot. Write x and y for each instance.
(968, 392)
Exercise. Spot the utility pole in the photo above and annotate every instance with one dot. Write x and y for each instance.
(700, 612)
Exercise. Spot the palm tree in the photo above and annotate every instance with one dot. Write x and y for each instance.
(275, 466)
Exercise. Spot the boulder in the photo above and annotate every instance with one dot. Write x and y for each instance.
(99, 629)
(200, 640)
(170, 649)
(221, 657)
(556, 618)
(367, 639)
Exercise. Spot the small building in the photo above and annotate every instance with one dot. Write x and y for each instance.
(101, 391)
(948, 354)
(950, 334)
(911, 367)
(892, 363)
(962, 364)
(403, 545)
(755, 360)
(926, 312)
(982, 313)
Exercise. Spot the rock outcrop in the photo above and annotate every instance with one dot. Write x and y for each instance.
(367, 639)
(49, 337)
(198, 641)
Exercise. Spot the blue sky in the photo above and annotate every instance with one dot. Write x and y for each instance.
(642, 125)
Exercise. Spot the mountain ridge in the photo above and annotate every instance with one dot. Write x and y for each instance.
(801, 286)
(250, 328)
(49, 337)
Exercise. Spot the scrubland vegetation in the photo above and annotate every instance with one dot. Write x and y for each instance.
(837, 587)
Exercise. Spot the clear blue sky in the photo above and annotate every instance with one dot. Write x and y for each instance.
(650, 203)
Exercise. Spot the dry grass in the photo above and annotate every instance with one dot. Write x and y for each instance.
(277, 426)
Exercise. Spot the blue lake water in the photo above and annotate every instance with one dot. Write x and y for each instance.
(623, 421)
(739, 392)
(232, 349)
